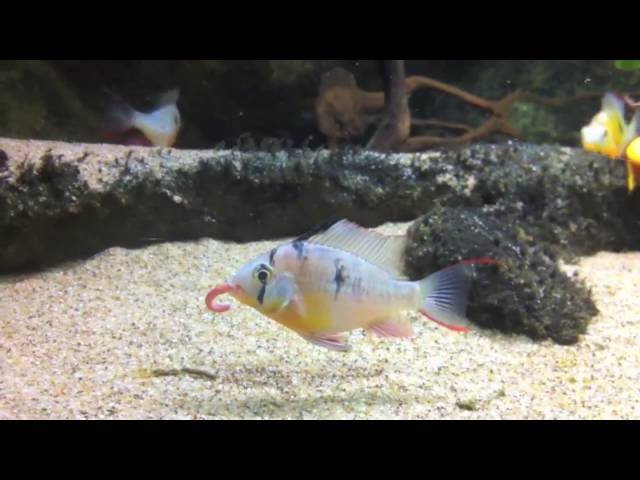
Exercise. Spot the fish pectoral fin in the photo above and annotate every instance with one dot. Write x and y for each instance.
(396, 328)
(332, 341)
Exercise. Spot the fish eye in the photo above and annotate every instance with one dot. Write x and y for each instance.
(262, 274)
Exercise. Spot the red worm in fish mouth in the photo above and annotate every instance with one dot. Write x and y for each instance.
(213, 294)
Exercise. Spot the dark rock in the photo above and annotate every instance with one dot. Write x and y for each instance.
(60, 201)
(527, 293)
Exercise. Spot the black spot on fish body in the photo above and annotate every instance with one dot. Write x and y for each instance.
(339, 277)
(298, 246)
(272, 255)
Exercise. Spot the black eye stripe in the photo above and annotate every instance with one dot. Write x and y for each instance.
(262, 275)
(261, 293)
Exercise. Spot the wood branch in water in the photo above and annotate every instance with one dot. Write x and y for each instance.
(395, 127)
(427, 122)
(345, 112)
(493, 125)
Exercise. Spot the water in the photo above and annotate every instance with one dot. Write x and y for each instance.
(108, 245)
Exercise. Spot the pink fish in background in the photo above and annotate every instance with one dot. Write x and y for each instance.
(345, 278)
(159, 127)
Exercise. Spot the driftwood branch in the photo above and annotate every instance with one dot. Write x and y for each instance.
(419, 122)
(345, 111)
(395, 127)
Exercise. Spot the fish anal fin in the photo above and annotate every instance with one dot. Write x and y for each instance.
(614, 104)
(396, 328)
(332, 341)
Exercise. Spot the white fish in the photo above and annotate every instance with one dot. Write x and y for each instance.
(608, 133)
(161, 126)
(345, 278)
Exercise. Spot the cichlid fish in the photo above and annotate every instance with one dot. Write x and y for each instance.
(608, 133)
(344, 278)
(160, 127)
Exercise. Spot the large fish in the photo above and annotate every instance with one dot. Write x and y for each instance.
(345, 278)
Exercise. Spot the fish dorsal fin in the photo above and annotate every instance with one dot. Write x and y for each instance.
(167, 98)
(383, 251)
(633, 129)
(614, 105)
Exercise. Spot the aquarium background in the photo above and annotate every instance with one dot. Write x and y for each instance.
(228, 100)
(109, 251)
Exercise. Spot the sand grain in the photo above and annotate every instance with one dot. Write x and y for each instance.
(84, 341)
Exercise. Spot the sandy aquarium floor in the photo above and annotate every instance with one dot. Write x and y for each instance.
(126, 335)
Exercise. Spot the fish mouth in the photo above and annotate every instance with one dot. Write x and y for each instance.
(216, 292)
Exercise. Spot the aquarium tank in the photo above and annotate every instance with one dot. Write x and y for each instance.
(319, 239)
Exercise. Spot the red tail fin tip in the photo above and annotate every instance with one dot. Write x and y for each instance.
(455, 328)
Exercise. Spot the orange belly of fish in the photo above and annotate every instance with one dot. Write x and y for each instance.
(315, 317)
(611, 152)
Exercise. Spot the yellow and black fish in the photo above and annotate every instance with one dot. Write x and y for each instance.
(610, 135)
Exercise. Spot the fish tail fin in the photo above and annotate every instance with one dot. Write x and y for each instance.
(633, 129)
(445, 294)
(614, 104)
(170, 97)
(120, 116)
